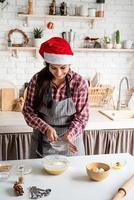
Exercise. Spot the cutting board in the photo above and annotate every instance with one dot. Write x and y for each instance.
(7, 97)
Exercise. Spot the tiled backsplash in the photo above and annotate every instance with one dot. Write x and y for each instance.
(113, 66)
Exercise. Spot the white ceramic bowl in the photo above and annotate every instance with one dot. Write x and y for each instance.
(55, 164)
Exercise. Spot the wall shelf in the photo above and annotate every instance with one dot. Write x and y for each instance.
(91, 20)
(102, 50)
(15, 50)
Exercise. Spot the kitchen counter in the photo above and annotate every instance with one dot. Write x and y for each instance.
(15, 136)
(98, 121)
(102, 135)
(73, 183)
(14, 122)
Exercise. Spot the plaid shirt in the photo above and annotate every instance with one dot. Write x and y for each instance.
(79, 94)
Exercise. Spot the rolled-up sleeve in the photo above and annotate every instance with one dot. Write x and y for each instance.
(81, 116)
(30, 116)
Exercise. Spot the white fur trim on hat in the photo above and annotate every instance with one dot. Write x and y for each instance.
(58, 59)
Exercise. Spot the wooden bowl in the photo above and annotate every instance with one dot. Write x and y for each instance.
(97, 171)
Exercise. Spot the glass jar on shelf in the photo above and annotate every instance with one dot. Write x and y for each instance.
(92, 12)
(83, 10)
(100, 8)
(52, 8)
(63, 9)
(30, 7)
(71, 10)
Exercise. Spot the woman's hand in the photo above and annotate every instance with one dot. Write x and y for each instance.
(72, 147)
(51, 134)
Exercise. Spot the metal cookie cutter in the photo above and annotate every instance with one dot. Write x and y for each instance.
(36, 193)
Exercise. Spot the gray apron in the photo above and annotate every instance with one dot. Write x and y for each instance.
(59, 116)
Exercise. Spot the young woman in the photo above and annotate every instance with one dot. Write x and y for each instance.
(56, 105)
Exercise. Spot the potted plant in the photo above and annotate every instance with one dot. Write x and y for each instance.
(107, 42)
(117, 44)
(38, 34)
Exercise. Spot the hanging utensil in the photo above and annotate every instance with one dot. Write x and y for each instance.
(3, 4)
(64, 35)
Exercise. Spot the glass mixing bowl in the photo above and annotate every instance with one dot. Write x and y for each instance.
(55, 164)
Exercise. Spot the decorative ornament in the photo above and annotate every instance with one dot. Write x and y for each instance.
(23, 44)
(18, 189)
(50, 25)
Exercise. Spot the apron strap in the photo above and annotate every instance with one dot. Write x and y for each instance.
(48, 96)
(68, 91)
(48, 93)
(40, 143)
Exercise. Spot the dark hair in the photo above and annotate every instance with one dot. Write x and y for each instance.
(42, 86)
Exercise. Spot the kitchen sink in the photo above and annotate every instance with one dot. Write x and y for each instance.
(118, 114)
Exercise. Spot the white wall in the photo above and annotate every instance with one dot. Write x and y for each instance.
(119, 15)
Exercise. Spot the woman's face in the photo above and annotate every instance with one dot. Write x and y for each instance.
(59, 71)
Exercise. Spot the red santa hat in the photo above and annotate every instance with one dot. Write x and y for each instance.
(56, 51)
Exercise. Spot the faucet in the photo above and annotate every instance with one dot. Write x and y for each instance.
(119, 96)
